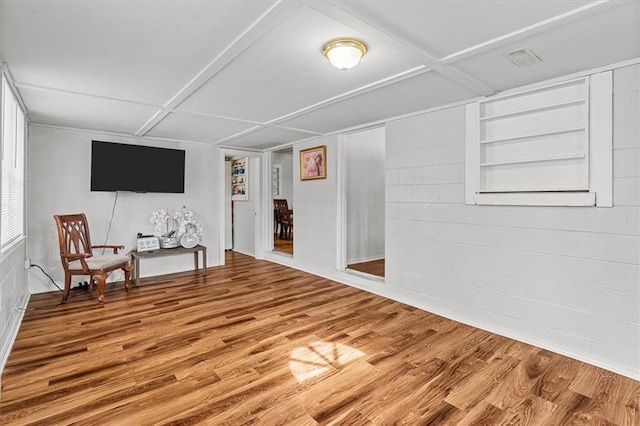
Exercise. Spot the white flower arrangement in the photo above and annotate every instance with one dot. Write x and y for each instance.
(187, 224)
(164, 223)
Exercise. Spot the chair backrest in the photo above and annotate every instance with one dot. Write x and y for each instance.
(282, 207)
(73, 234)
(280, 202)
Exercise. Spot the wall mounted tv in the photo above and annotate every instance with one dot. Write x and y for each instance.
(135, 168)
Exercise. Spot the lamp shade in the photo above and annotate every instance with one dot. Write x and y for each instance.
(344, 54)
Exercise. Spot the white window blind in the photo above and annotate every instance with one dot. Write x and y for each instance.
(276, 181)
(532, 147)
(12, 190)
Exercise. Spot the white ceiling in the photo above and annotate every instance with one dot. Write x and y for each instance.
(250, 74)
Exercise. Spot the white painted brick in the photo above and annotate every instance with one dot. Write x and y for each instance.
(413, 193)
(615, 356)
(615, 332)
(626, 79)
(613, 247)
(449, 173)
(626, 162)
(618, 276)
(561, 293)
(561, 275)
(626, 134)
(626, 191)
(626, 106)
(403, 139)
(447, 154)
(558, 318)
(392, 177)
(423, 300)
(452, 193)
(617, 305)
(430, 287)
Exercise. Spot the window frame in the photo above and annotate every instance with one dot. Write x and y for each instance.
(276, 182)
(20, 135)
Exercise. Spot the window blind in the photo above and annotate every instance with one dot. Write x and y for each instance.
(12, 190)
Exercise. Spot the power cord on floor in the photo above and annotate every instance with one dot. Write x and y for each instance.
(80, 287)
(43, 271)
(113, 210)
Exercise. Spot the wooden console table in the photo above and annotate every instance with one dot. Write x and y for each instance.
(136, 256)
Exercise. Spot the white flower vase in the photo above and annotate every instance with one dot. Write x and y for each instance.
(168, 242)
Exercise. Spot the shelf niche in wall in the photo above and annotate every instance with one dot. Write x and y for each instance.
(240, 179)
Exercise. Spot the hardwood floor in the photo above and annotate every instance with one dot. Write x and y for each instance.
(254, 342)
(283, 246)
(374, 267)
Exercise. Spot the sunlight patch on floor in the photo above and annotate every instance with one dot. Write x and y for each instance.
(317, 358)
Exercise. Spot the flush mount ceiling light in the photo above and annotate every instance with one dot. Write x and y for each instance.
(344, 53)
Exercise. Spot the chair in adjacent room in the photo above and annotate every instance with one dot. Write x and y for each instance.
(76, 254)
(285, 218)
(276, 219)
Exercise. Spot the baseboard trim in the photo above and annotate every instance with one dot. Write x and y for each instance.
(379, 288)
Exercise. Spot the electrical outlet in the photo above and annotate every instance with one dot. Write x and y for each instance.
(27, 263)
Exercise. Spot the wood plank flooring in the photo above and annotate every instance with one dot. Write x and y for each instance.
(373, 267)
(283, 246)
(254, 342)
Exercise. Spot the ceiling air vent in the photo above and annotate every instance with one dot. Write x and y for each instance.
(523, 57)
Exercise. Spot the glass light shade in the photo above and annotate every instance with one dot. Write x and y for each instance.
(344, 54)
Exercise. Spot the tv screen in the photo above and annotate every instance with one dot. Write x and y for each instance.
(123, 167)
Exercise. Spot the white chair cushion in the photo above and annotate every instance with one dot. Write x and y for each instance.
(103, 261)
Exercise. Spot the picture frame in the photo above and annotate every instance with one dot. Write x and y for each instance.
(313, 163)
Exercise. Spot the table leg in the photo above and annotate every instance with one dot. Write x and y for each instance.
(204, 261)
(195, 260)
(137, 271)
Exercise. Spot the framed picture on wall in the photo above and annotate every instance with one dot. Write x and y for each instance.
(313, 163)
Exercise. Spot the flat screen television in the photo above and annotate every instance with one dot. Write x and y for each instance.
(135, 168)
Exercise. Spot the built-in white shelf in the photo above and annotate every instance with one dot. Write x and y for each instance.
(536, 135)
(534, 110)
(534, 160)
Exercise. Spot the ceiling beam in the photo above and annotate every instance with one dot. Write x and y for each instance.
(537, 28)
(409, 51)
(414, 72)
(259, 28)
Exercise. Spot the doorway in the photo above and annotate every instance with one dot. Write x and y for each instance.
(282, 196)
(240, 196)
(365, 201)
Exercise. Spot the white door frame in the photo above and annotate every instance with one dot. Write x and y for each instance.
(254, 191)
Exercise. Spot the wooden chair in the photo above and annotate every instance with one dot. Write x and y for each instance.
(276, 220)
(285, 218)
(76, 254)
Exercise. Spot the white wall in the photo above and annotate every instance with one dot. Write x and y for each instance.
(286, 161)
(365, 153)
(13, 294)
(565, 278)
(58, 178)
(315, 215)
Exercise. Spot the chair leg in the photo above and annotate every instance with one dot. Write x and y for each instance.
(127, 276)
(67, 287)
(100, 279)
